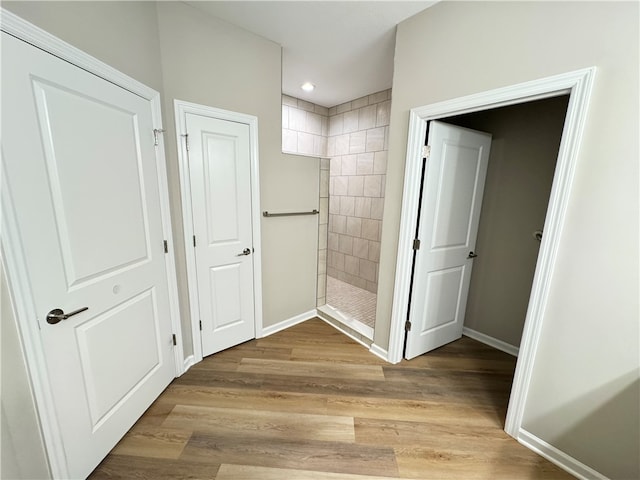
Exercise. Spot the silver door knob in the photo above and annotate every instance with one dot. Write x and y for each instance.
(246, 251)
(56, 315)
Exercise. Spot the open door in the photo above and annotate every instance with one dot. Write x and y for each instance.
(455, 173)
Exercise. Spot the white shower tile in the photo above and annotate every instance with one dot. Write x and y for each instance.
(305, 143)
(367, 117)
(336, 166)
(379, 97)
(363, 207)
(357, 142)
(361, 248)
(291, 101)
(375, 139)
(313, 123)
(342, 144)
(372, 185)
(322, 236)
(304, 105)
(364, 164)
(380, 162)
(370, 229)
(297, 119)
(324, 183)
(354, 226)
(351, 121)
(336, 125)
(345, 244)
(285, 116)
(377, 206)
(341, 185)
(319, 146)
(383, 114)
(322, 283)
(289, 141)
(334, 205)
(322, 261)
(360, 102)
(347, 206)
(356, 186)
(349, 163)
(324, 210)
(320, 110)
(331, 146)
(344, 107)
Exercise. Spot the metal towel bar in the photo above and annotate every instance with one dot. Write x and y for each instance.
(289, 214)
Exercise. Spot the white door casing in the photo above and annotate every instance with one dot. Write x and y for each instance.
(218, 159)
(578, 84)
(83, 226)
(452, 197)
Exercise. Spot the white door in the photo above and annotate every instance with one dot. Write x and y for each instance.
(79, 157)
(451, 200)
(220, 179)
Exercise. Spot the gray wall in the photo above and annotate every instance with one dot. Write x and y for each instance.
(210, 62)
(586, 368)
(524, 150)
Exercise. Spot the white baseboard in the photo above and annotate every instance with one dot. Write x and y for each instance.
(491, 341)
(379, 352)
(290, 322)
(188, 363)
(561, 459)
(344, 331)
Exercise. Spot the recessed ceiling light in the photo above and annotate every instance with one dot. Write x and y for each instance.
(308, 86)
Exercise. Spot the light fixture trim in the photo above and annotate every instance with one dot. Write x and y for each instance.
(308, 86)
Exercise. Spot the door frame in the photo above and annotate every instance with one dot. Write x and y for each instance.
(578, 84)
(13, 255)
(181, 109)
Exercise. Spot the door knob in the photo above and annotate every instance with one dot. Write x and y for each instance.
(56, 315)
(472, 255)
(246, 251)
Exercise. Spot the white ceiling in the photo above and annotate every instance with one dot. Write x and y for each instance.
(344, 48)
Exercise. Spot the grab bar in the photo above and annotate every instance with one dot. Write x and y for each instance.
(289, 214)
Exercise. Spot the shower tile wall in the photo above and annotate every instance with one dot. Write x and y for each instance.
(357, 146)
(304, 127)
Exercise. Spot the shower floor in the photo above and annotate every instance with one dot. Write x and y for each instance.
(353, 302)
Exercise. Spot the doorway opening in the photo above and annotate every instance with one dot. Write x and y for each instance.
(578, 85)
(522, 162)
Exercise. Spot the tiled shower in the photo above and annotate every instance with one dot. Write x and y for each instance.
(352, 177)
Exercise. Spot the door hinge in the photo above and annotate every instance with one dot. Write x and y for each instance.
(200, 322)
(407, 326)
(166, 246)
(157, 131)
(426, 151)
(194, 240)
(186, 140)
(174, 339)
(416, 244)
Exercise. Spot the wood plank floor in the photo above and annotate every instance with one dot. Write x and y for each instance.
(308, 403)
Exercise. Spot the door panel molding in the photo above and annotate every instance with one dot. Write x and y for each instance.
(13, 254)
(181, 109)
(578, 84)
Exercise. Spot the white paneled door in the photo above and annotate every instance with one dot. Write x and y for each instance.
(450, 210)
(220, 181)
(79, 156)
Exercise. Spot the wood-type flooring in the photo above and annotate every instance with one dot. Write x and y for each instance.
(308, 403)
